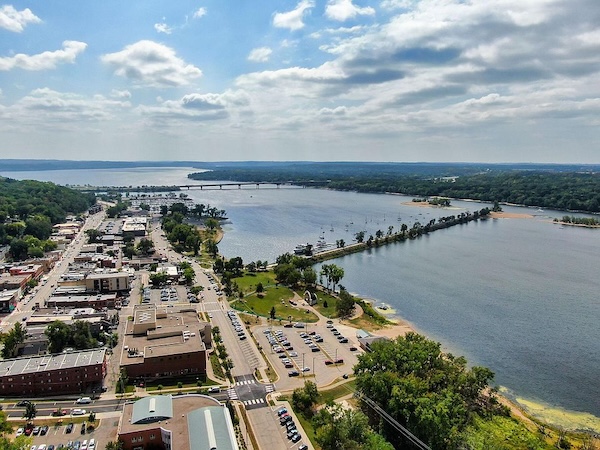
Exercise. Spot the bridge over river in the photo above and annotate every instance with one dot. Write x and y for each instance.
(206, 186)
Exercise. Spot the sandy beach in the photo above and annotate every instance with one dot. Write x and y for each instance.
(507, 215)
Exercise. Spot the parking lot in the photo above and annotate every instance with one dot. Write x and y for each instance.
(323, 352)
(68, 435)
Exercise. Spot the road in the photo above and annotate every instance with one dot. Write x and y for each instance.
(43, 291)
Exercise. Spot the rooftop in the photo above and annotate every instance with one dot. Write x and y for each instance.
(18, 366)
(207, 421)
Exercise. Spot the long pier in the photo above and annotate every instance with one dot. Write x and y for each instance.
(204, 186)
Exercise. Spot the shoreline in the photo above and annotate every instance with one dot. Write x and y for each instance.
(524, 409)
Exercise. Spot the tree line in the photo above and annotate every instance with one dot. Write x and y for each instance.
(559, 188)
(29, 209)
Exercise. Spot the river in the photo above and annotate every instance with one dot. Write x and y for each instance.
(517, 295)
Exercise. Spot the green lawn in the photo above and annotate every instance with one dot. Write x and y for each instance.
(279, 297)
(337, 392)
(250, 279)
(331, 303)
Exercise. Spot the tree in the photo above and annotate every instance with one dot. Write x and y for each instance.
(114, 445)
(360, 236)
(303, 399)
(272, 313)
(30, 411)
(345, 304)
(431, 393)
(12, 340)
(145, 246)
(260, 288)
(159, 278)
(59, 334)
(337, 428)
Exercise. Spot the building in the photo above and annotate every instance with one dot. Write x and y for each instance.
(163, 342)
(62, 373)
(9, 299)
(35, 270)
(135, 226)
(107, 282)
(184, 422)
(97, 302)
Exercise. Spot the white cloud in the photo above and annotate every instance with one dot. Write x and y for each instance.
(200, 12)
(115, 93)
(293, 19)
(342, 10)
(48, 108)
(163, 28)
(152, 64)
(197, 107)
(13, 20)
(45, 60)
(260, 54)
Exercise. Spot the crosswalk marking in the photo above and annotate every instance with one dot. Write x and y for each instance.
(269, 388)
(240, 383)
(253, 401)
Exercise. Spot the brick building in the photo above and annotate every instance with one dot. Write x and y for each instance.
(62, 373)
(165, 344)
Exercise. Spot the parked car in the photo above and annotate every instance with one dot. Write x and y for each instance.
(20, 431)
(36, 431)
(296, 438)
(293, 373)
(69, 427)
(43, 430)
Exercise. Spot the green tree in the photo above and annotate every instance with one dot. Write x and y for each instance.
(145, 246)
(114, 445)
(272, 313)
(30, 411)
(59, 335)
(13, 339)
(345, 305)
(337, 428)
(305, 398)
(260, 288)
(431, 393)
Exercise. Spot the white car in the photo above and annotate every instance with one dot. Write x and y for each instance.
(78, 412)
(20, 431)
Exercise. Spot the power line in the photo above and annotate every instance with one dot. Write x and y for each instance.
(389, 419)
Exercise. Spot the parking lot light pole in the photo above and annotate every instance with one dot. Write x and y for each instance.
(302, 368)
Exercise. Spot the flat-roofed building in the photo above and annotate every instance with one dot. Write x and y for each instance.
(9, 299)
(183, 422)
(97, 301)
(62, 373)
(107, 282)
(165, 342)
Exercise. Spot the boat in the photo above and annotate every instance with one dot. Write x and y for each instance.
(300, 249)
(321, 244)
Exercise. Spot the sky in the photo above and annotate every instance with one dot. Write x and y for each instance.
(319, 80)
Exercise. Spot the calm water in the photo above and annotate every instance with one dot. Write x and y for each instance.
(518, 296)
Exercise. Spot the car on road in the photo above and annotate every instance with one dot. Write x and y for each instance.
(60, 412)
(293, 373)
(78, 412)
(83, 400)
(214, 390)
(306, 369)
(328, 362)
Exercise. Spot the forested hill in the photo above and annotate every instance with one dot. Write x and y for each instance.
(32, 207)
(563, 187)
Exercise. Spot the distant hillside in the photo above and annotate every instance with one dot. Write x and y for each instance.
(560, 186)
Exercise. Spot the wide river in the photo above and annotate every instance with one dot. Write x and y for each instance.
(520, 296)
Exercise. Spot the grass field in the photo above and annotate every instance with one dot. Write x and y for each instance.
(277, 296)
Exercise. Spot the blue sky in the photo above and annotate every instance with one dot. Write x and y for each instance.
(356, 80)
